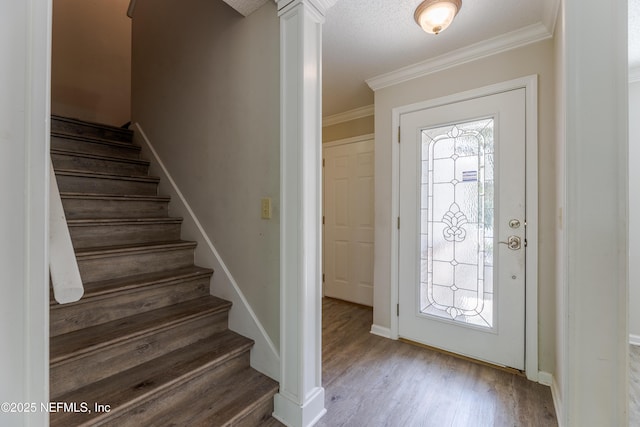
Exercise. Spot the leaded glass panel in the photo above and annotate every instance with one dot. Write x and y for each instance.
(456, 226)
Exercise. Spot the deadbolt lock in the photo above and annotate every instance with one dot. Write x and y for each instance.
(514, 223)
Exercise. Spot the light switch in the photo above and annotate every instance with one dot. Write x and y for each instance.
(266, 208)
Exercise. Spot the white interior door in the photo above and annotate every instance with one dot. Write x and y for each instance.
(348, 222)
(462, 235)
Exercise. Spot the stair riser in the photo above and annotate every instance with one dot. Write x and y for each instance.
(89, 130)
(93, 147)
(75, 208)
(151, 412)
(112, 235)
(70, 317)
(126, 264)
(81, 184)
(259, 415)
(69, 161)
(99, 364)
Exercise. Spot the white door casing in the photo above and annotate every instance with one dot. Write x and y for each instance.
(462, 195)
(529, 83)
(348, 220)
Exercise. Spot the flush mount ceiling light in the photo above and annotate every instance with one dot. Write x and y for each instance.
(436, 15)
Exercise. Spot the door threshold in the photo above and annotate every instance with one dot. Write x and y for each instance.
(467, 358)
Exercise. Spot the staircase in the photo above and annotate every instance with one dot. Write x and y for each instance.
(146, 345)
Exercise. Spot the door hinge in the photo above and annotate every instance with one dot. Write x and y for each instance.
(322, 277)
(322, 219)
(398, 223)
(398, 134)
(322, 162)
(398, 310)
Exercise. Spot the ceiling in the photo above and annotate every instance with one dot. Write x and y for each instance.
(363, 39)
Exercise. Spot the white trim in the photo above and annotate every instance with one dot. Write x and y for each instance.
(300, 400)
(594, 367)
(242, 319)
(291, 415)
(634, 74)
(557, 402)
(63, 265)
(545, 378)
(513, 40)
(551, 9)
(381, 331)
(634, 339)
(347, 116)
(353, 139)
(529, 83)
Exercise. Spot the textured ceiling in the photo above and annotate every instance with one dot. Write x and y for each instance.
(245, 7)
(367, 38)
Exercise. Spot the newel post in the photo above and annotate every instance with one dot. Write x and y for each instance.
(300, 402)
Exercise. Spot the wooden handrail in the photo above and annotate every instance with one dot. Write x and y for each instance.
(63, 266)
(132, 5)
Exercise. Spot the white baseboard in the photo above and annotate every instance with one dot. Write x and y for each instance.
(634, 339)
(381, 331)
(242, 319)
(292, 414)
(557, 402)
(545, 378)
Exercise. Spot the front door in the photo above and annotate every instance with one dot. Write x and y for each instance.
(462, 233)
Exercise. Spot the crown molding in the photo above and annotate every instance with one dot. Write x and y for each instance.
(515, 39)
(550, 13)
(320, 5)
(356, 113)
(634, 74)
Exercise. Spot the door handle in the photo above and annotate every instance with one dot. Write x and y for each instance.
(513, 242)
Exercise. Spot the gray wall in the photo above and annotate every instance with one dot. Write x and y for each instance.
(538, 59)
(206, 92)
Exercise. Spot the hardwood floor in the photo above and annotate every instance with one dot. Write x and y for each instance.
(372, 381)
(634, 386)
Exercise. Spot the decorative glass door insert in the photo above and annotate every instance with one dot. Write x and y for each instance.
(456, 227)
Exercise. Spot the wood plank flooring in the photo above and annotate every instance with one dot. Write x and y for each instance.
(372, 381)
(634, 386)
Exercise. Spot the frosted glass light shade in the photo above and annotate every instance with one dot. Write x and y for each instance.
(435, 16)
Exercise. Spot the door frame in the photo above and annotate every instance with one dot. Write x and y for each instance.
(530, 84)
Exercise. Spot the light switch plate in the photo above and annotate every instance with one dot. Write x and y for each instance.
(265, 209)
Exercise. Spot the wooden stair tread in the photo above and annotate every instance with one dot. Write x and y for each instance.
(100, 196)
(224, 403)
(76, 343)
(248, 386)
(94, 139)
(101, 175)
(123, 284)
(128, 388)
(98, 156)
(134, 248)
(110, 128)
(122, 221)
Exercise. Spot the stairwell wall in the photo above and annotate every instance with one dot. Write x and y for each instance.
(91, 61)
(205, 88)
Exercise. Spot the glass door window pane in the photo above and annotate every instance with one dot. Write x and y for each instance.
(456, 227)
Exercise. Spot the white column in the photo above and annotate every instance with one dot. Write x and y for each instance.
(300, 401)
(594, 390)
